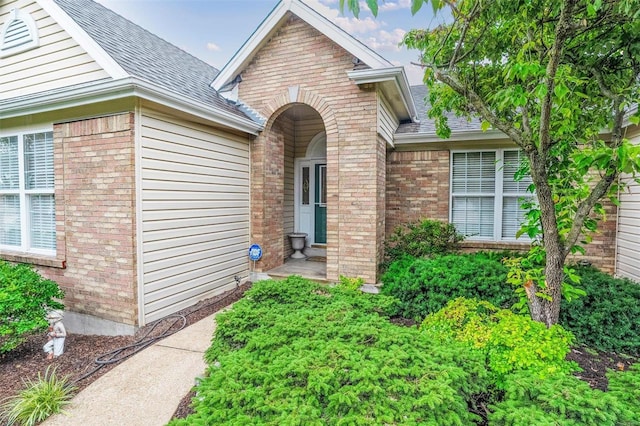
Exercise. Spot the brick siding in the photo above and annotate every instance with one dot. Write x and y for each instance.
(95, 217)
(299, 57)
(418, 187)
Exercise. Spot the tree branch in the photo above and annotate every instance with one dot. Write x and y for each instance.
(480, 106)
(563, 29)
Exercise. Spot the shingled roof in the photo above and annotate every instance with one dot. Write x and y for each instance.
(146, 56)
(426, 125)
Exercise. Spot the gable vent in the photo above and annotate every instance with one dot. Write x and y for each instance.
(18, 34)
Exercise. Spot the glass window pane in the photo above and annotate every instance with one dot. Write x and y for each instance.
(512, 216)
(38, 161)
(512, 160)
(10, 220)
(305, 185)
(473, 216)
(473, 172)
(323, 184)
(42, 218)
(9, 167)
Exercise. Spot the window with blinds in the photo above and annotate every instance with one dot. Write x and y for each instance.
(27, 201)
(485, 197)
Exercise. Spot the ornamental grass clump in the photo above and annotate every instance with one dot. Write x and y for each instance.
(40, 398)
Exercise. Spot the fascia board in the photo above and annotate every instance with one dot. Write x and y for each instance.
(271, 24)
(397, 75)
(118, 89)
(456, 136)
(246, 52)
(85, 41)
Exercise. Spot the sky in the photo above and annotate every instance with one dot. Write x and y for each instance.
(214, 30)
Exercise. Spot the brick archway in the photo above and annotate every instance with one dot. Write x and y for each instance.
(268, 170)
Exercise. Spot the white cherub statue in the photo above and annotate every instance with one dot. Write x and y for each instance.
(56, 334)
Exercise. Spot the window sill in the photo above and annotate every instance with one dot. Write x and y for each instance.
(495, 245)
(33, 259)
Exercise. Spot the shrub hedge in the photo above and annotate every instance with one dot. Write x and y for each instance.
(423, 238)
(423, 286)
(293, 352)
(25, 297)
(608, 317)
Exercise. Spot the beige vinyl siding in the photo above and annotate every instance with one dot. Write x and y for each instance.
(289, 150)
(628, 238)
(387, 122)
(58, 62)
(195, 213)
(305, 131)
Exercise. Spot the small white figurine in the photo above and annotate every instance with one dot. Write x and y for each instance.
(57, 333)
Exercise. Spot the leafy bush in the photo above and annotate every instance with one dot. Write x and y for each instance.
(424, 286)
(25, 298)
(39, 399)
(559, 399)
(295, 352)
(421, 239)
(607, 317)
(510, 342)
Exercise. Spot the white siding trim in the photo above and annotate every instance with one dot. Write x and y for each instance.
(138, 212)
(106, 62)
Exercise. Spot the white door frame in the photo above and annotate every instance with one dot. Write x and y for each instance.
(304, 215)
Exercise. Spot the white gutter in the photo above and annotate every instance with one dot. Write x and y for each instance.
(395, 75)
(107, 90)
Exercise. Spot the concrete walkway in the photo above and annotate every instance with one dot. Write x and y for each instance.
(146, 388)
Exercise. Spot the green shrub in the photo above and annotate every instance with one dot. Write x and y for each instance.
(421, 239)
(559, 399)
(625, 387)
(25, 298)
(38, 400)
(294, 352)
(510, 342)
(424, 286)
(607, 318)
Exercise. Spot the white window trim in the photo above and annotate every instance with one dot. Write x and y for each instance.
(25, 239)
(498, 195)
(13, 48)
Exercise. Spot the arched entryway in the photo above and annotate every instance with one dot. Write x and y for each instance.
(289, 184)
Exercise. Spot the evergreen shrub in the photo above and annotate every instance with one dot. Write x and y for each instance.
(608, 317)
(424, 286)
(294, 352)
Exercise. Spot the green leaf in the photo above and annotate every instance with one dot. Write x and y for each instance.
(416, 5)
(560, 90)
(485, 125)
(373, 5)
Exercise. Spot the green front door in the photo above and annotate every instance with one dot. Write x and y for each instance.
(320, 202)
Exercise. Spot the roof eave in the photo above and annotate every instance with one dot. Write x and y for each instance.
(107, 90)
(273, 21)
(456, 136)
(395, 75)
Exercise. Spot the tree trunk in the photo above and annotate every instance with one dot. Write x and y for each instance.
(546, 309)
